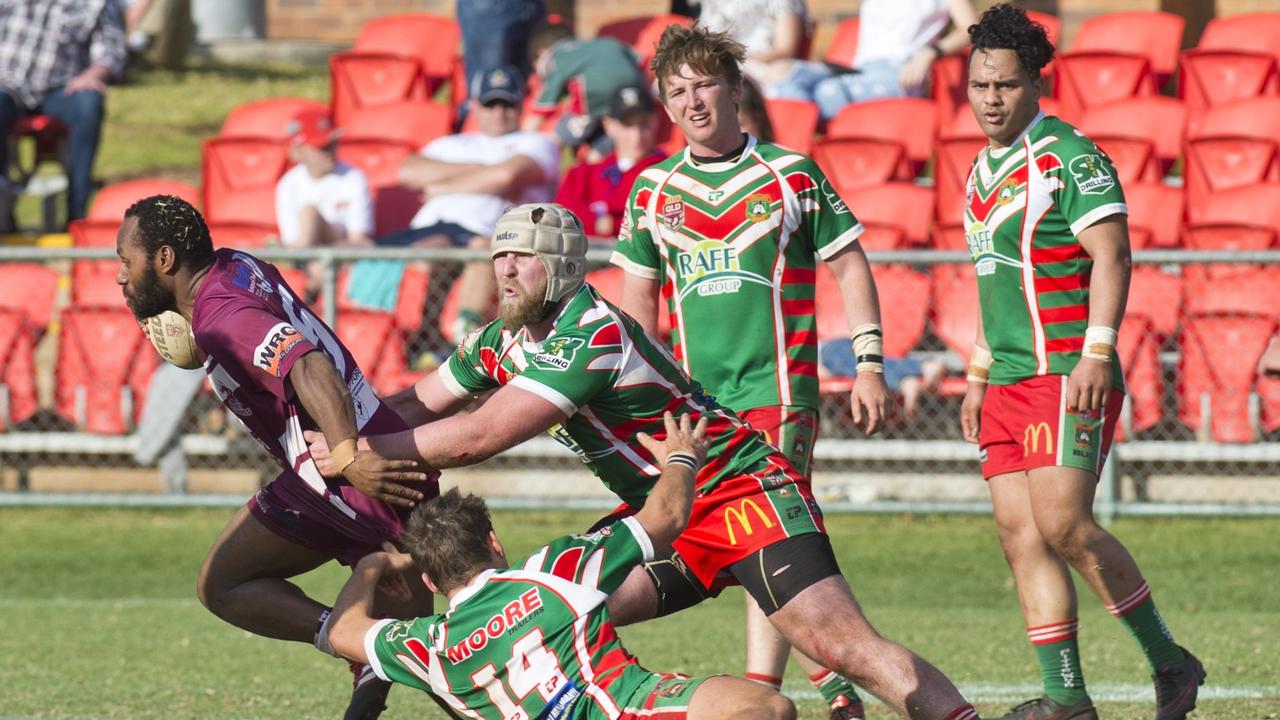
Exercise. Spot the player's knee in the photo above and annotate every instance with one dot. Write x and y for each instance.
(210, 590)
(1069, 539)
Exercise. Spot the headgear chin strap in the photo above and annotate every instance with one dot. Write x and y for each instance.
(552, 233)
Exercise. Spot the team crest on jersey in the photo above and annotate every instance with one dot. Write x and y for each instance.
(396, 630)
(759, 207)
(557, 354)
(1091, 174)
(673, 214)
(1007, 192)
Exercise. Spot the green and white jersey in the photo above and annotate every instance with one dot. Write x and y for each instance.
(532, 641)
(602, 370)
(732, 246)
(1025, 206)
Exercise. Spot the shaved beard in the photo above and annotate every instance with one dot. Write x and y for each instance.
(524, 309)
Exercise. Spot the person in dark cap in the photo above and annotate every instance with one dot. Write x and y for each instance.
(597, 192)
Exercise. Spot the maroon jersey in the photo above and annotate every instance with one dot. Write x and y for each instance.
(252, 328)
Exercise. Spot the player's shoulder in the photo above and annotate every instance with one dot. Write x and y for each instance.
(1055, 135)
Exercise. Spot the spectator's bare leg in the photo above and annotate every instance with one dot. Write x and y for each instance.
(477, 286)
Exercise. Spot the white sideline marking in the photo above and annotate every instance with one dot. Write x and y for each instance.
(1100, 692)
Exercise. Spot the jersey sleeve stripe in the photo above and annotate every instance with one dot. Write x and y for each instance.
(632, 266)
(1097, 214)
(549, 394)
(370, 648)
(450, 382)
(846, 238)
(642, 537)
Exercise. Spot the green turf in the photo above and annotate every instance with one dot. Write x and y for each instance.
(99, 618)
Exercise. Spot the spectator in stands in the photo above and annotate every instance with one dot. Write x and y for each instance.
(469, 180)
(597, 192)
(321, 201)
(56, 57)
(752, 114)
(159, 32)
(898, 41)
(588, 73)
(774, 32)
(497, 32)
(1269, 364)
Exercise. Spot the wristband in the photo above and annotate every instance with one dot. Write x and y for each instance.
(868, 348)
(1099, 343)
(979, 365)
(682, 458)
(937, 51)
(343, 454)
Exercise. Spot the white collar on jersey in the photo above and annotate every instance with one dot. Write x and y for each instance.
(998, 153)
(721, 166)
(471, 588)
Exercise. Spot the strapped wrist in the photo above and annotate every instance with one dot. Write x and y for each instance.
(1099, 343)
(979, 369)
(868, 348)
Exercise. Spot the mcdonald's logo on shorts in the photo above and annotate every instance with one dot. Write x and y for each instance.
(1031, 438)
(744, 519)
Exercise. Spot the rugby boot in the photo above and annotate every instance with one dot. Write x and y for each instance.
(1046, 709)
(368, 694)
(845, 709)
(1177, 686)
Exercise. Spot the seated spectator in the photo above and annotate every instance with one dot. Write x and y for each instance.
(468, 180)
(321, 201)
(588, 73)
(597, 192)
(56, 57)
(908, 376)
(773, 33)
(898, 41)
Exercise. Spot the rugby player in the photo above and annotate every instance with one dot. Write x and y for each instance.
(282, 371)
(1046, 225)
(560, 359)
(730, 231)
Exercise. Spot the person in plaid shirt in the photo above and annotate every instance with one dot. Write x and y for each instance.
(56, 57)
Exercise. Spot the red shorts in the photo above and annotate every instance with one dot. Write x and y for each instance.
(790, 428)
(1027, 425)
(744, 514)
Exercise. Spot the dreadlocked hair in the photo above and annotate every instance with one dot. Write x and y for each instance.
(172, 221)
(1006, 27)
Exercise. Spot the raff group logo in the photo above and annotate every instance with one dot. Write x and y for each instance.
(705, 263)
(981, 248)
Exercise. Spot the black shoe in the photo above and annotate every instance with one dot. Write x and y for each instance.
(1177, 686)
(368, 694)
(845, 709)
(1046, 709)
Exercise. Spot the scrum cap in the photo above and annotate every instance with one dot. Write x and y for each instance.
(552, 233)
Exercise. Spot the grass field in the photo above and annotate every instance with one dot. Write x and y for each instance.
(100, 621)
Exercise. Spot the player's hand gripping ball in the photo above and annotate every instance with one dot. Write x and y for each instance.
(170, 333)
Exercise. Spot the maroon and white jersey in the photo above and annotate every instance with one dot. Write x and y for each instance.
(252, 328)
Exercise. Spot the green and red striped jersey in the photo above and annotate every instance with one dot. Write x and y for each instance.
(612, 381)
(1025, 206)
(531, 641)
(733, 246)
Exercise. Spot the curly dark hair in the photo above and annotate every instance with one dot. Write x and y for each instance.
(172, 221)
(1007, 27)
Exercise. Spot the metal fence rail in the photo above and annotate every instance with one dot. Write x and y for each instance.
(918, 465)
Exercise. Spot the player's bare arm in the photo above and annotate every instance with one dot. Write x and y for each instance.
(351, 611)
(870, 396)
(640, 301)
(1107, 242)
(425, 401)
(326, 399)
(683, 450)
(977, 372)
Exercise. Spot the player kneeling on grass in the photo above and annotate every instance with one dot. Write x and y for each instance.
(534, 639)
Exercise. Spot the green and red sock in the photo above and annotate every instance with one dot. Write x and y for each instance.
(1058, 653)
(1138, 613)
(832, 685)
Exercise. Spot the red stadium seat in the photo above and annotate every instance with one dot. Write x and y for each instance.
(948, 237)
(31, 288)
(853, 162)
(1232, 146)
(1156, 36)
(1237, 58)
(903, 308)
(1052, 25)
(416, 122)
(104, 367)
(398, 57)
(1230, 289)
(93, 284)
(957, 147)
(267, 118)
(1156, 296)
(948, 80)
(411, 298)
(1138, 350)
(955, 307)
(1155, 215)
(844, 46)
(18, 397)
(393, 205)
(239, 176)
(111, 201)
(242, 235)
(642, 33)
(1088, 79)
(378, 347)
(608, 282)
(795, 122)
(903, 208)
(908, 122)
(1227, 382)
(1142, 135)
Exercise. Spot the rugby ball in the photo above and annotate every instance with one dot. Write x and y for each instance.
(170, 333)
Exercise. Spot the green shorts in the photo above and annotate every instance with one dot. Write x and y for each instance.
(661, 696)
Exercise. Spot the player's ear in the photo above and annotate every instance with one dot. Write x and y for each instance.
(167, 258)
(495, 547)
(430, 585)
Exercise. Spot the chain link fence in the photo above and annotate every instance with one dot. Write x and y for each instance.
(76, 378)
